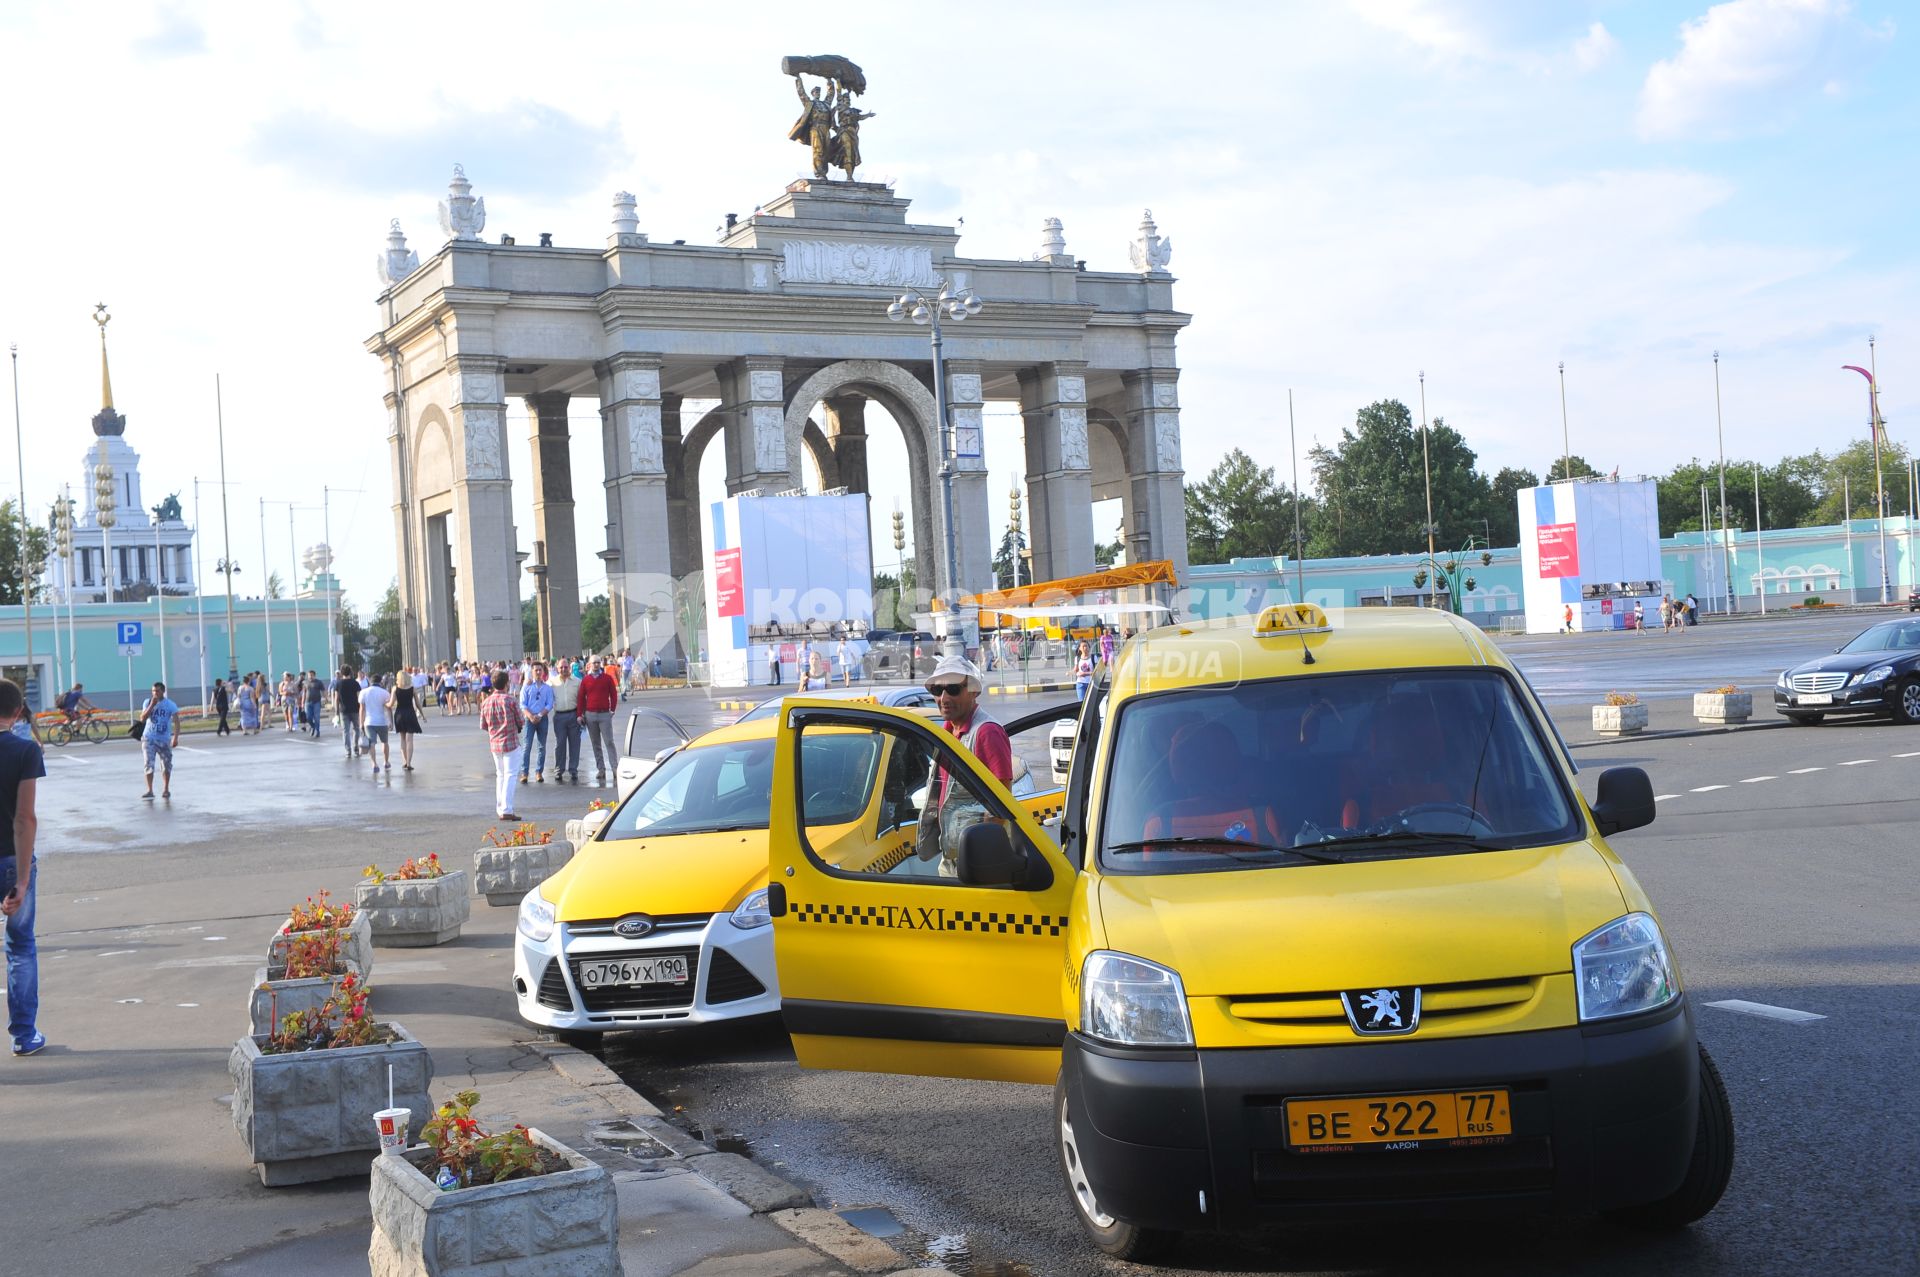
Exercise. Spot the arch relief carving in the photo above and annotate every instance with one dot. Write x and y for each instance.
(432, 455)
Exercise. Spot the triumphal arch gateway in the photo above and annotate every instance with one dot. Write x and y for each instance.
(783, 323)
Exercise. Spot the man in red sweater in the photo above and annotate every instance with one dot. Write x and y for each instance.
(599, 697)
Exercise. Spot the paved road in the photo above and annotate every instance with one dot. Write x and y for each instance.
(1781, 863)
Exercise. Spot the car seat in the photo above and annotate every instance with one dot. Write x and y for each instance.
(1210, 774)
(1403, 767)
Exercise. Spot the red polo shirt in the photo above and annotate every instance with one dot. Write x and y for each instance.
(599, 694)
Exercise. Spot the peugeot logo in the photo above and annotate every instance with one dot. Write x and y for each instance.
(1382, 1012)
(633, 926)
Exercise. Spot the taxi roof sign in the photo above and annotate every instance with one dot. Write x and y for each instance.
(1292, 618)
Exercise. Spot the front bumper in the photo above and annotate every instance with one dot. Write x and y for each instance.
(1867, 698)
(731, 977)
(1603, 1117)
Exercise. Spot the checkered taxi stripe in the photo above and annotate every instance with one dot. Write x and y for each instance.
(930, 919)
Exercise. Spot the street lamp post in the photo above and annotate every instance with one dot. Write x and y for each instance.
(1426, 469)
(63, 534)
(1874, 427)
(1566, 435)
(1759, 581)
(1726, 566)
(266, 594)
(26, 526)
(956, 306)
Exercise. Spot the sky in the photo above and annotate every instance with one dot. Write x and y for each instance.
(1356, 193)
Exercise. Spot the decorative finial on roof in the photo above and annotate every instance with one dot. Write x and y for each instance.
(398, 261)
(1150, 253)
(626, 222)
(1053, 240)
(462, 215)
(106, 421)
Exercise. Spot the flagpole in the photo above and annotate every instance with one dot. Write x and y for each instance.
(1299, 547)
(199, 592)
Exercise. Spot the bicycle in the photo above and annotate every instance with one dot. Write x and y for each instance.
(91, 727)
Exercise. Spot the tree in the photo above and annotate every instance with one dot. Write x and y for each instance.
(1581, 470)
(38, 549)
(1503, 504)
(1011, 543)
(529, 625)
(1239, 511)
(355, 639)
(1373, 486)
(1106, 554)
(893, 599)
(275, 588)
(1848, 477)
(383, 636)
(596, 624)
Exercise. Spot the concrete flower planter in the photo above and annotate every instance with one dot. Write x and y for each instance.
(504, 874)
(275, 997)
(308, 1115)
(1619, 720)
(413, 913)
(358, 948)
(559, 1223)
(580, 832)
(1723, 707)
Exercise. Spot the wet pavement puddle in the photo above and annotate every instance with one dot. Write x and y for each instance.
(949, 1252)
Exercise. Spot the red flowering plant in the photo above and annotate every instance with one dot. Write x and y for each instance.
(520, 836)
(599, 804)
(476, 1156)
(341, 1021)
(427, 866)
(313, 953)
(319, 913)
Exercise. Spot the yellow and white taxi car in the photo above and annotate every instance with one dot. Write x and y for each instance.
(661, 919)
(1324, 927)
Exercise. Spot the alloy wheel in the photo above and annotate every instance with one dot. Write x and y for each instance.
(1077, 1176)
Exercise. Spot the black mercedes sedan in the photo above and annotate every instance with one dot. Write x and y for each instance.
(1877, 673)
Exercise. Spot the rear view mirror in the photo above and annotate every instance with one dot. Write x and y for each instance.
(1625, 800)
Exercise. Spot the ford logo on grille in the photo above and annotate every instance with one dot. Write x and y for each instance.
(633, 926)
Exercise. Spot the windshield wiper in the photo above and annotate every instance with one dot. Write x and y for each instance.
(1404, 838)
(1232, 847)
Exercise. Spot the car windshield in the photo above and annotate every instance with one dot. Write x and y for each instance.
(728, 786)
(1339, 767)
(1895, 636)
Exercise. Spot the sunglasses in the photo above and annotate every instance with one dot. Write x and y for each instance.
(946, 689)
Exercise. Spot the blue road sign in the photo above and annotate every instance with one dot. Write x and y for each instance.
(130, 632)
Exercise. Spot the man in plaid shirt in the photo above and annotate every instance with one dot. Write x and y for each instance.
(500, 716)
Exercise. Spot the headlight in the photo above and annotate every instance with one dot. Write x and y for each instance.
(1781, 682)
(1878, 674)
(1129, 1001)
(1623, 969)
(752, 912)
(536, 916)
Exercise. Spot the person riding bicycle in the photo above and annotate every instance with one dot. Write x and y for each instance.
(75, 703)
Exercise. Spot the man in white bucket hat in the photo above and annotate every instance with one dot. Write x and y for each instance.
(956, 686)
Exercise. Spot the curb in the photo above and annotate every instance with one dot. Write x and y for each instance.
(1680, 733)
(761, 1191)
(1024, 689)
(735, 704)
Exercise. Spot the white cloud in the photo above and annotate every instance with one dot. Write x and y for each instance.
(1745, 65)
(1595, 47)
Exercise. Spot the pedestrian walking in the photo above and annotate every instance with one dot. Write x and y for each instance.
(346, 703)
(1693, 609)
(843, 657)
(1640, 617)
(289, 698)
(597, 701)
(500, 718)
(1106, 646)
(407, 716)
(21, 766)
(566, 724)
(1083, 672)
(249, 701)
(376, 721)
(158, 735)
(222, 705)
(536, 706)
(1566, 624)
(315, 694)
(773, 663)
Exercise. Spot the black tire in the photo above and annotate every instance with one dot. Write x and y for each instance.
(1805, 720)
(96, 731)
(1906, 702)
(1115, 1237)
(1707, 1173)
(584, 1039)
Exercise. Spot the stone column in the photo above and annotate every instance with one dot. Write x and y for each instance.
(1157, 510)
(847, 432)
(759, 454)
(411, 580)
(489, 571)
(553, 522)
(1053, 399)
(637, 524)
(972, 517)
(683, 519)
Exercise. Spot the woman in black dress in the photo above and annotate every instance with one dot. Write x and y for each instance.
(406, 718)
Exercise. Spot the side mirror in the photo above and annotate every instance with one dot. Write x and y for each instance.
(1625, 800)
(988, 858)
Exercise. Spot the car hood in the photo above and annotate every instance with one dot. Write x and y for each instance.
(677, 874)
(1849, 662)
(1490, 915)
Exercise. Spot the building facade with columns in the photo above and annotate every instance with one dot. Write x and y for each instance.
(780, 334)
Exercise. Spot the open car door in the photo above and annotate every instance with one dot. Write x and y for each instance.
(919, 909)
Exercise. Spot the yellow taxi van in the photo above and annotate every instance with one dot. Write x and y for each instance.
(1320, 924)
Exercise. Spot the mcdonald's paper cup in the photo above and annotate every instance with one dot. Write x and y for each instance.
(392, 1125)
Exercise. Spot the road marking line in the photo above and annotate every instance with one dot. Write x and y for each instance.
(1801, 771)
(1755, 780)
(1914, 754)
(1661, 798)
(1705, 789)
(193, 749)
(1761, 1009)
(115, 953)
(1859, 762)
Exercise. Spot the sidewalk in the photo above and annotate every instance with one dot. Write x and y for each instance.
(123, 1150)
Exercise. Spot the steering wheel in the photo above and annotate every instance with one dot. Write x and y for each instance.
(1478, 826)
